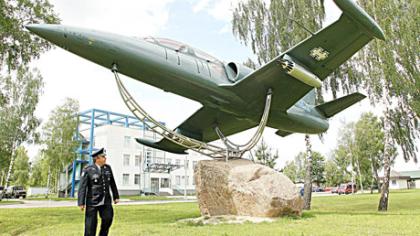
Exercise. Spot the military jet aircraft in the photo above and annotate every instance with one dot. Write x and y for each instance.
(232, 95)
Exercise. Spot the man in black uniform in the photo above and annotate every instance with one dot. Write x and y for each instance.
(94, 194)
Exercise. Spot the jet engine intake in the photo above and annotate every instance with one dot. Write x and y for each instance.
(236, 71)
(299, 72)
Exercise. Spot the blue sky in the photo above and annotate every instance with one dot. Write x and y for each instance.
(204, 24)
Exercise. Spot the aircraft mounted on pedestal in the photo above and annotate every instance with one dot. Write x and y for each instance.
(233, 96)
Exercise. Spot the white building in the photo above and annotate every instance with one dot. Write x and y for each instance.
(136, 168)
(128, 160)
(403, 179)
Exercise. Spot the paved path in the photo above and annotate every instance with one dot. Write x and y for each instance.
(51, 203)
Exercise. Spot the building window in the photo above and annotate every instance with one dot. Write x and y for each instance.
(164, 183)
(185, 180)
(149, 154)
(193, 180)
(168, 161)
(394, 182)
(186, 163)
(126, 160)
(136, 179)
(194, 164)
(178, 162)
(127, 140)
(126, 179)
(178, 180)
(137, 159)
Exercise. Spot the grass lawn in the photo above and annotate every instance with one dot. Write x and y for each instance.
(337, 215)
(52, 198)
(146, 198)
(9, 202)
(133, 198)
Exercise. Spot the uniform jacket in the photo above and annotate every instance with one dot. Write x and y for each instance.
(95, 184)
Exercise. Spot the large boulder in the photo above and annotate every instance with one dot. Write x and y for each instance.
(243, 188)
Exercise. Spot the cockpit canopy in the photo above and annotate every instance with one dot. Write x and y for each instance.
(181, 47)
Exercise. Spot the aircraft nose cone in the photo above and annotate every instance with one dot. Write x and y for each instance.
(50, 32)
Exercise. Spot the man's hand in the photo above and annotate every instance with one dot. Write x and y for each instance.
(82, 207)
(116, 201)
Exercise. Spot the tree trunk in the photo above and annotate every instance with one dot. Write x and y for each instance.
(48, 181)
(383, 202)
(360, 174)
(372, 185)
(9, 172)
(67, 182)
(307, 196)
(375, 176)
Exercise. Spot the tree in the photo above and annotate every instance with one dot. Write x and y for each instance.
(361, 146)
(295, 169)
(369, 142)
(18, 98)
(17, 119)
(393, 70)
(318, 168)
(290, 170)
(21, 170)
(265, 156)
(307, 194)
(58, 133)
(334, 175)
(17, 45)
(38, 176)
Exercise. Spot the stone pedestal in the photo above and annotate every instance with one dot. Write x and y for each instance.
(242, 188)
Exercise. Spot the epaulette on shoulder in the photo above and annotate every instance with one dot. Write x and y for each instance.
(88, 167)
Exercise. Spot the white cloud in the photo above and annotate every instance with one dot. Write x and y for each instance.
(200, 5)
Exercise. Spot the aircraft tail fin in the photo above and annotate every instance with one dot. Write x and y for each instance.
(164, 145)
(310, 97)
(333, 107)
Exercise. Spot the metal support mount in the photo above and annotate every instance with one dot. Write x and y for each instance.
(232, 151)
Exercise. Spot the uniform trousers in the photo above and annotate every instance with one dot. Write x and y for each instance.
(91, 219)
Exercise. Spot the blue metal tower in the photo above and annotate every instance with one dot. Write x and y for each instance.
(88, 121)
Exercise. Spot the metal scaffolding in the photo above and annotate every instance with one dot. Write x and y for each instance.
(88, 121)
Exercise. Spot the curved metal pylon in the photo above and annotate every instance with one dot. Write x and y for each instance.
(232, 151)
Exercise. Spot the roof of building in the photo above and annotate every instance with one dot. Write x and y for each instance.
(397, 175)
(414, 174)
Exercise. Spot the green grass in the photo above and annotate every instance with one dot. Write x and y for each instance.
(338, 215)
(146, 198)
(133, 198)
(52, 198)
(9, 202)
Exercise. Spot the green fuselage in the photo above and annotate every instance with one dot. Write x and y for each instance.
(182, 73)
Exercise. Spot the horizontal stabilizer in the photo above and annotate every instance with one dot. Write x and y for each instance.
(333, 107)
(164, 145)
(283, 133)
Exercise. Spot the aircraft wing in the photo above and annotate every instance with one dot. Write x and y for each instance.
(319, 54)
(200, 126)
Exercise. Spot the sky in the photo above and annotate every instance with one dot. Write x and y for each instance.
(203, 24)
